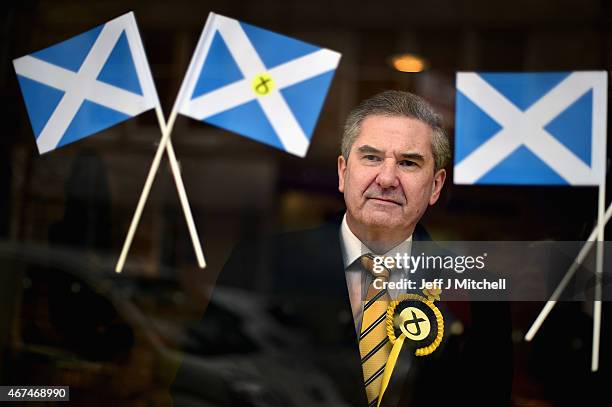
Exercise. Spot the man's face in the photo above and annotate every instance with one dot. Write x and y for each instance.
(389, 178)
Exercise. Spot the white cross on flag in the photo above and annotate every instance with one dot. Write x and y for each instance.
(257, 83)
(545, 128)
(86, 84)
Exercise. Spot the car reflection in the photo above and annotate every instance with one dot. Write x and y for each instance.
(119, 340)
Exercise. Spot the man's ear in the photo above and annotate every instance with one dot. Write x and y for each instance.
(341, 173)
(438, 183)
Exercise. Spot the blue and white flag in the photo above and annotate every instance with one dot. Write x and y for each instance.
(86, 84)
(545, 128)
(257, 83)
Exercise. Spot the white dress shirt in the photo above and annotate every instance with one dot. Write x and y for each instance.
(358, 280)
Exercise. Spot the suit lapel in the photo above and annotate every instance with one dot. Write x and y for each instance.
(326, 272)
(336, 271)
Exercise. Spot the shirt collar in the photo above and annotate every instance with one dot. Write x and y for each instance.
(353, 248)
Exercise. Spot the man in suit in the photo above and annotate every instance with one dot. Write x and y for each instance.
(391, 170)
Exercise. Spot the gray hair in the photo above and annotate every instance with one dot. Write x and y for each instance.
(395, 103)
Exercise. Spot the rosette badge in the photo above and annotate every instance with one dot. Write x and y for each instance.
(413, 320)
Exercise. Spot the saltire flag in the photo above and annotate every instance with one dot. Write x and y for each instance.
(257, 83)
(546, 128)
(86, 84)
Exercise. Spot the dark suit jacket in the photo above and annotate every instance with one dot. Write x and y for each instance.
(302, 276)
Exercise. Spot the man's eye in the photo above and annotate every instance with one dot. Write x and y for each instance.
(407, 163)
(370, 157)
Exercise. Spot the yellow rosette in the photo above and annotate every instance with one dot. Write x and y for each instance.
(415, 319)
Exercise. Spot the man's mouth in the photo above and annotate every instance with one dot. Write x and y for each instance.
(387, 200)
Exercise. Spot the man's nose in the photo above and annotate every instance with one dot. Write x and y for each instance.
(387, 177)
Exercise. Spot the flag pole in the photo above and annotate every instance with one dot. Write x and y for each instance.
(537, 324)
(599, 261)
(166, 131)
(180, 188)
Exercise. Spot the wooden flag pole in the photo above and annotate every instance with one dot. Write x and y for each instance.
(180, 188)
(166, 131)
(164, 145)
(599, 261)
(550, 304)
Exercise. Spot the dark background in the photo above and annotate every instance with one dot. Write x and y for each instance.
(78, 200)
